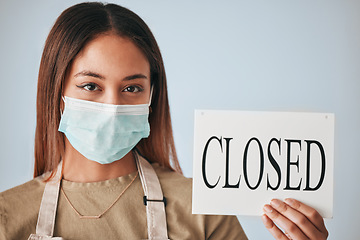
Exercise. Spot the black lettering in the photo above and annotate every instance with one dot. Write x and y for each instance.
(261, 163)
(274, 164)
(227, 185)
(296, 163)
(204, 161)
(323, 162)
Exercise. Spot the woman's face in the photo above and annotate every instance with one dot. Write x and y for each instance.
(109, 69)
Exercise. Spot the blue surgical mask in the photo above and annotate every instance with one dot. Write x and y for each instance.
(104, 132)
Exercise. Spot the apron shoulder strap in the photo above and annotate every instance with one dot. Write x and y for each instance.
(154, 200)
(47, 213)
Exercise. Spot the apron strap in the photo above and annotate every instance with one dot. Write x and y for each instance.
(47, 213)
(154, 200)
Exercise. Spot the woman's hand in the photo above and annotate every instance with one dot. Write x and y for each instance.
(297, 220)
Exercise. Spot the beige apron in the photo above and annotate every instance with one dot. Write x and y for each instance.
(154, 200)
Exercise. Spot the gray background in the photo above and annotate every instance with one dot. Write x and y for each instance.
(244, 55)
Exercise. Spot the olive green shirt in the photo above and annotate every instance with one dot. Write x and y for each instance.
(19, 209)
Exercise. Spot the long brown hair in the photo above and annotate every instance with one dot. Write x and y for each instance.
(73, 29)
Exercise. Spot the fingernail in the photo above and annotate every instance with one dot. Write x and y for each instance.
(268, 208)
(275, 203)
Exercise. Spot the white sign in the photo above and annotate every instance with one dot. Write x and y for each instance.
(242, 160)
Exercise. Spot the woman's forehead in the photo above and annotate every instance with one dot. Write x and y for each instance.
(111, 55)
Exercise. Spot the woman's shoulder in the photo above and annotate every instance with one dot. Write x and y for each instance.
(177, 189)
(173, 182)
(19, 208)
(31, 187)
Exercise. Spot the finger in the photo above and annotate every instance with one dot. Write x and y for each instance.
(298, 218)
(310, 213)
(288, 226)
(273, 229)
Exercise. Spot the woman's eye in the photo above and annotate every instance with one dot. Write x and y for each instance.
(133, 89)
(89, 87)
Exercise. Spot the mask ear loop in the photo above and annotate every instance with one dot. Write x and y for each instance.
(61, 112)
(151, 93)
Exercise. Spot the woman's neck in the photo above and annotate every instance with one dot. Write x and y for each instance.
(77, 168)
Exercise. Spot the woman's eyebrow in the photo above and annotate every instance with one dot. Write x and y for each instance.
(135, 76)
(86, 73)
(89, 74)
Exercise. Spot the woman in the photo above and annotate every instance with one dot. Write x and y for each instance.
(102, 87)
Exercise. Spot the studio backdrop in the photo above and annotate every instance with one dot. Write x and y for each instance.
(278, 55)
